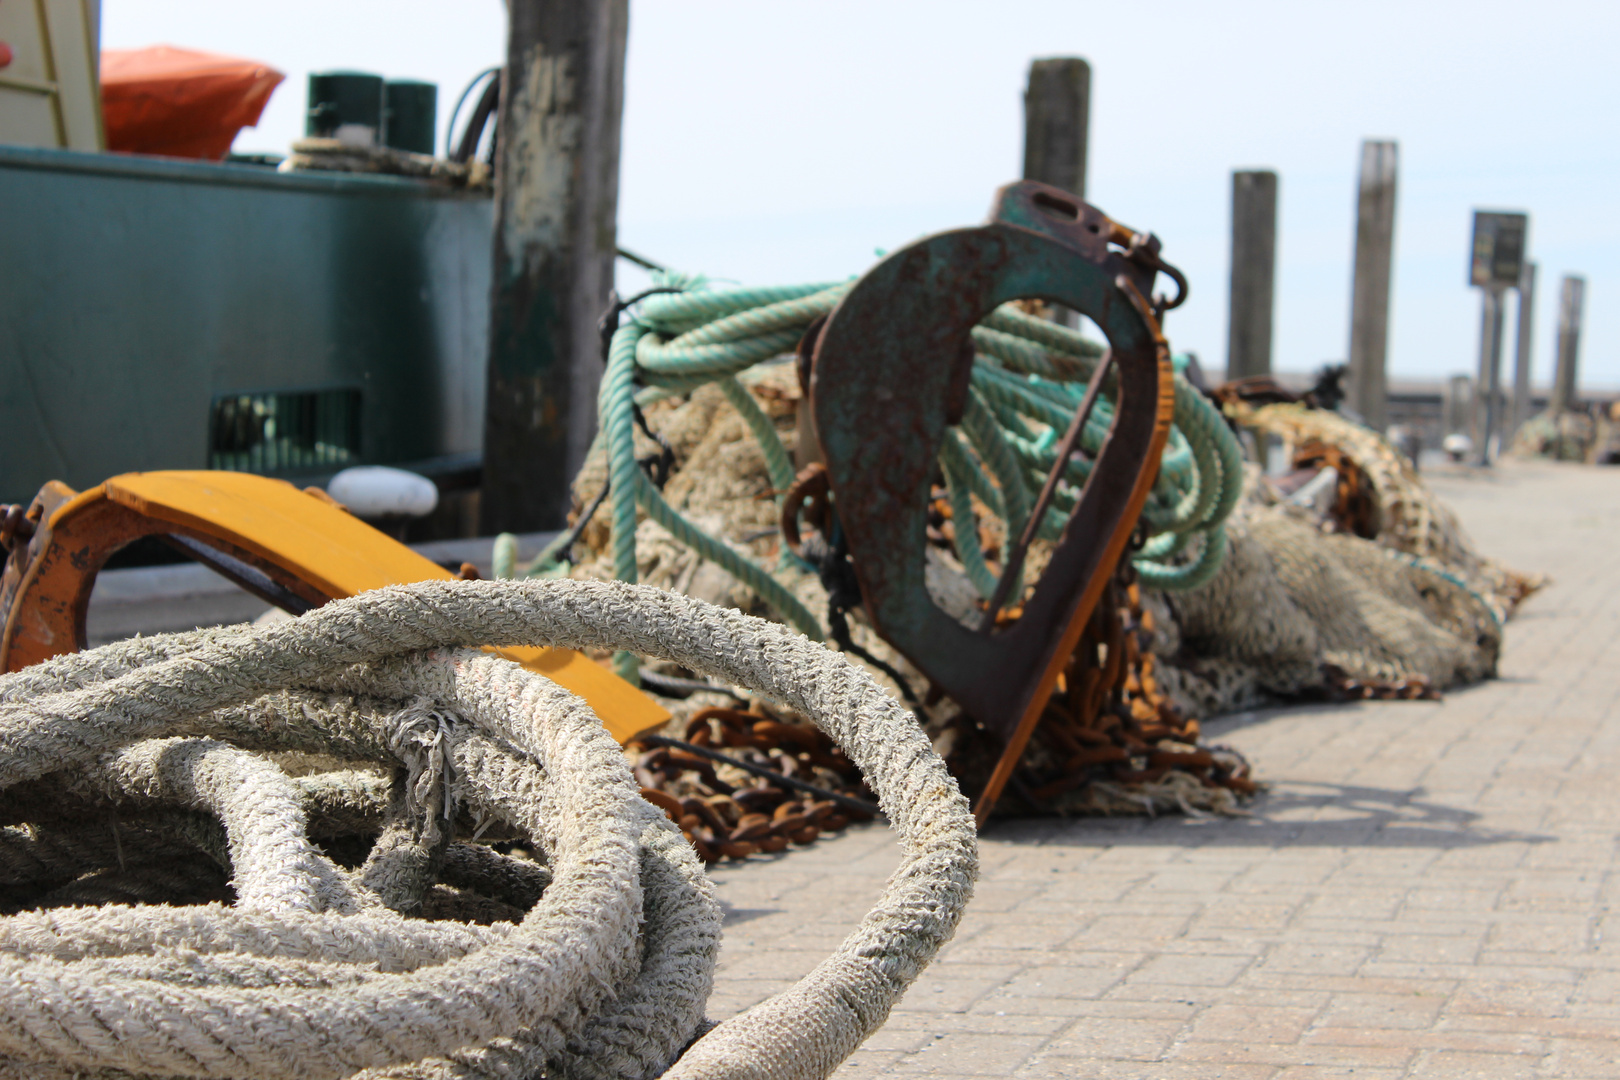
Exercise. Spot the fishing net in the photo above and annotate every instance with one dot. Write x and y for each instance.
(1591, 436)
(1347, 577)
(1367, 583)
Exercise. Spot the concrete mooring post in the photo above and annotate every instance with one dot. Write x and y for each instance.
(1495, 264)
(1571, 300)
(1369, 296)
(1057, 122)
(1523, 350)
(556, 212)
(1254, 271)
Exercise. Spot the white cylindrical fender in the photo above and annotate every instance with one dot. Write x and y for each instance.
(376, 491)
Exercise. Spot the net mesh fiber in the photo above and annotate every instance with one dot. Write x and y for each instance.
(1304, 596)
(1592, 436)
(1302, 606)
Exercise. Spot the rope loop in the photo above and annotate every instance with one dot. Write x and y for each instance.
(315, 972)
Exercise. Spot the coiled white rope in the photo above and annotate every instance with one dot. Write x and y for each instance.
(319, 972)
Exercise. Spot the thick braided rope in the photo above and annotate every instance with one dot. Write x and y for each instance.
(360, 731)
(261, 807)
(76, 710)
(578, 942)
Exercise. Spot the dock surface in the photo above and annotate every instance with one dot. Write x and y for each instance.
(1425, 892)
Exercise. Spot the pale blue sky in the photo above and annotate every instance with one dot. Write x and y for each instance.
(783, 140)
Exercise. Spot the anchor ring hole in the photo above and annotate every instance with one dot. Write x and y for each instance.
(1060, 208)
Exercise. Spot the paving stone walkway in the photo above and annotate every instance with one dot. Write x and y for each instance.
(1429, 890)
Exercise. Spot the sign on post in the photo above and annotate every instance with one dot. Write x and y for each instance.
(1499, 240)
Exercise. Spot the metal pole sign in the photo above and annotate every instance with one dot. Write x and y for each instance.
(1499, 243)
(1496, 266)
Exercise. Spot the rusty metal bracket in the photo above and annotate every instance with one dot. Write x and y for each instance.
(45, 587)
(890, 373)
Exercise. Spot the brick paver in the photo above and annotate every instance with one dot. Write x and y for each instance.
(1429, 890)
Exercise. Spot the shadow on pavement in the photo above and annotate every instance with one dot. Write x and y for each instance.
(1292, 813)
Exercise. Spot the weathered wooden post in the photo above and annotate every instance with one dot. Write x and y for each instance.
(1571, 299)
(1496, 264)
(1369, 296)
(556, 195)
(1057, 126)
(1254, 271)
(1057, 122)
(1523, 350)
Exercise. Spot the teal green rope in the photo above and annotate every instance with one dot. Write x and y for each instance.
(1022, 355)
(778, 465)
(503, 556)
(734, 341)
(990, 443)
(630, 488)
(1193, 575)
(1010, 320)
(975, 478)
(961, 477)
(1026, 383)
(677, 312)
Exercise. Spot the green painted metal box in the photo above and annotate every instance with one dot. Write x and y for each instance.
(160, 314)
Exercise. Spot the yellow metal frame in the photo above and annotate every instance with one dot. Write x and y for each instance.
(316, 543)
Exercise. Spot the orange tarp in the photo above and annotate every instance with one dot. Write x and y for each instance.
(179, 102)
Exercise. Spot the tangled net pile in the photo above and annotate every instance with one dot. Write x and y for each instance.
(1365, 586)
(369, 732)
(1591, 435)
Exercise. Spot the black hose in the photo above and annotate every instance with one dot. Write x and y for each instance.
(672, 686)
(467, 146)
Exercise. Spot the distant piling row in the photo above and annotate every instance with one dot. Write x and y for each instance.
(555, 245)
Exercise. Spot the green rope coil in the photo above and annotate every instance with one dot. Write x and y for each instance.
(631, 488)
(1028, 378)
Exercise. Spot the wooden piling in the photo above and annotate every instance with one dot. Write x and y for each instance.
(1369, 298)
(1057, 122)
(1254, 269)
(556, 195)
(1571, 300)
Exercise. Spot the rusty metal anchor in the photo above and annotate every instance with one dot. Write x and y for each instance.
(890, 372)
